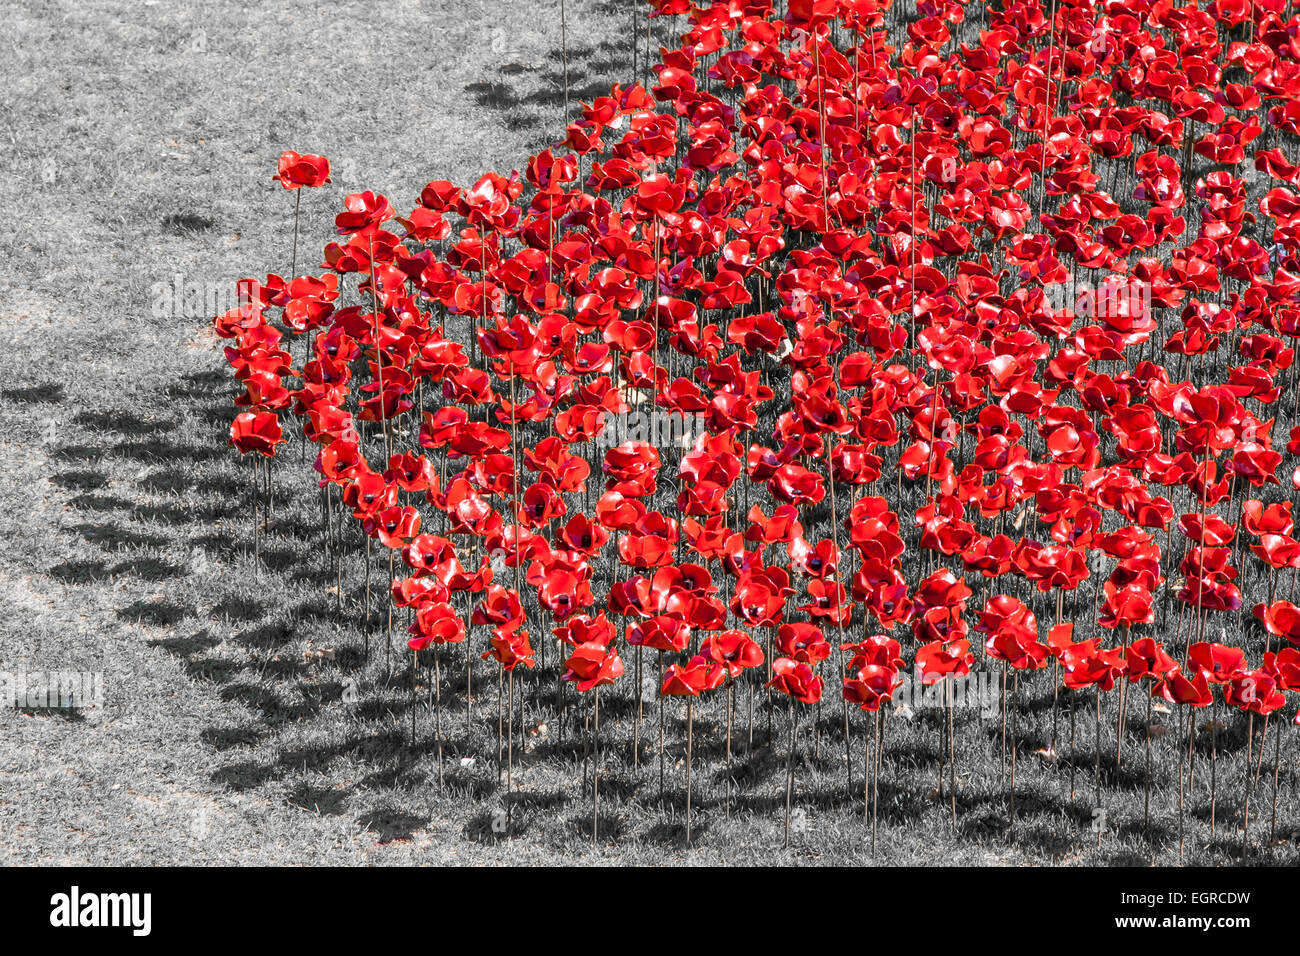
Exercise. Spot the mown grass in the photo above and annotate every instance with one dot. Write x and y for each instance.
(130, 529)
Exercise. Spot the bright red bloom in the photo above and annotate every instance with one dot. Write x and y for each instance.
(593, 665)
(693, 678)
(796, 679)
(939, 659)
(803, 642)
(734, 651)
(1281, 619)
(256, 431)
(363, 215)
(510, 649)
(1217, 662)
(436, 623)
(296, 171)
(871, 686)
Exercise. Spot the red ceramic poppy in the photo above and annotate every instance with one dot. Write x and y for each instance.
(296, 171)
(796, 679)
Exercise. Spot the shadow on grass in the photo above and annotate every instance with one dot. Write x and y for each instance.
(391, 824)
(46, 393)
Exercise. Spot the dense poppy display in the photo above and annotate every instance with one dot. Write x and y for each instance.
(959, 403)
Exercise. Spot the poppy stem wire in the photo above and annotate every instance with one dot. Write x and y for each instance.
(437, 692)
(297, 206)
(731, 707)
(1098, 812)
(1123, 713)
(789, 767)
(501, 717)
(1277, 753)
(661, 727)
(875, 777)
(690, 737)
(839, 617)
(952, 763)
(1245, 784)
(595, 771)
(1259, 759)
(1015, 739)
(564, 56)
(867, 739)
(510, 745)
(1214, 758)
(636, 714)
(256, 508)
(1146, 779)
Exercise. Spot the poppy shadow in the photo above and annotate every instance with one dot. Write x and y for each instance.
(158, 450)
(218, 670)
(238, 609)
(244, 775)
(79, 480)
(228, 738)
(493, 94)
(67, 714)
(149, 569)
(609, 828)
(327, 801)
(266, 637)
(113, 537)
(392, 824)
(46, 393)
(487, 828)
(156, 613)
(76, 453)
(267, 706)
(673, 832)
(186, 646)
(121, 423)
(80, 572)
(186, 223)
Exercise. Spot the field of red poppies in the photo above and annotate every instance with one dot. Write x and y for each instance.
(779, 468)
(876, 395)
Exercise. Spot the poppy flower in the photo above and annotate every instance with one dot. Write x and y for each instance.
(584, 629)
(1147, 658)
(500, 609)
(871, 686)
(296, 171)
(1217, 662)
(759, 598)
(802, 642)
(1281, 619)
(1255, 691)
(1177, 688)
(256, 431)
(733, 651)
(661, 633)
(593, 665)
(436, 622)
(693, 678)
(796, 679)
(363, 214)
(510, 649)
(943, 658)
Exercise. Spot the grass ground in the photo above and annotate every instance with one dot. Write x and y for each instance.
(141, 142)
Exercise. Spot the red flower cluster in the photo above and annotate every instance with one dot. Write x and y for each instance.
(845, 259)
